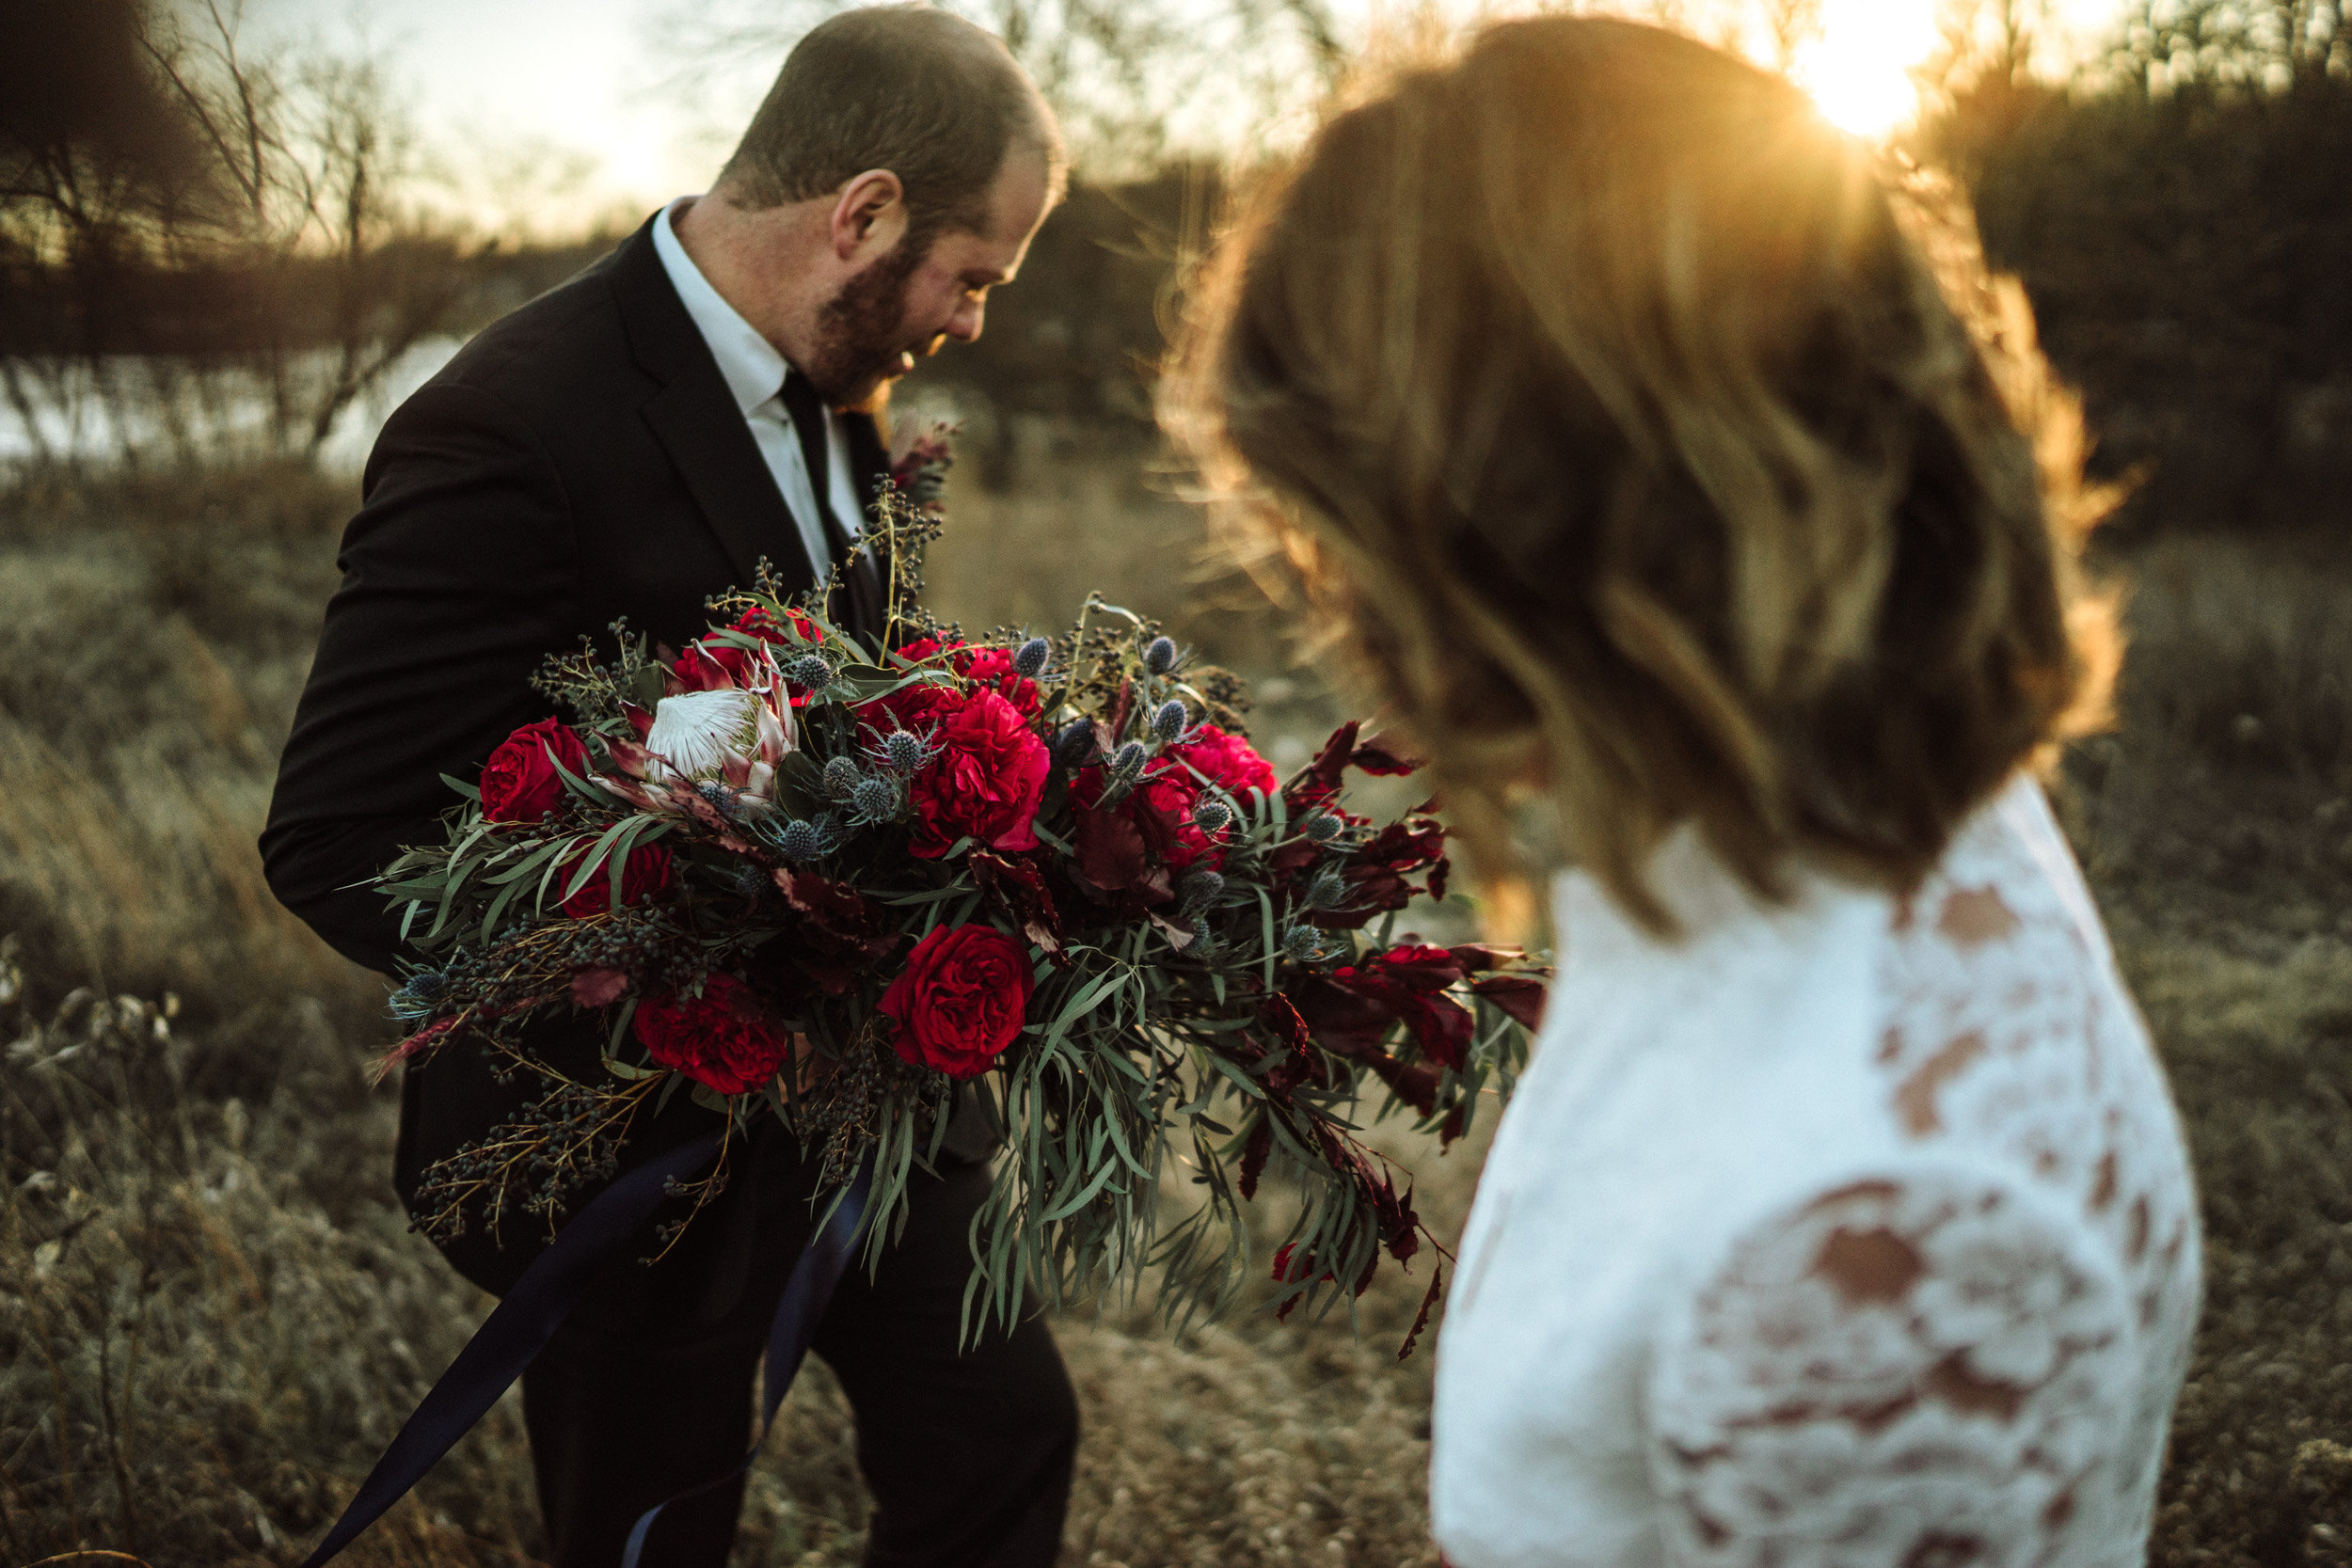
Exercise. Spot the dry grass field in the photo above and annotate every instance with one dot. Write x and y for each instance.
(211, 1316)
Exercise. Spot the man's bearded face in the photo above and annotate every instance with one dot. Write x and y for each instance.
(863, 332)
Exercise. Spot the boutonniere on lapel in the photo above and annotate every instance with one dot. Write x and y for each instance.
(918, 468)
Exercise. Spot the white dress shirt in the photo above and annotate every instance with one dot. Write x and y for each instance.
(755, 372)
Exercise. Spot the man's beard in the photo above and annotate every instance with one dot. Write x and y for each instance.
(858, 330)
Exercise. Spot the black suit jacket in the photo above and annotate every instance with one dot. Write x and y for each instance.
(580, 461)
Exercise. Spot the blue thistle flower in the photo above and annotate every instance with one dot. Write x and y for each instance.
(1030, 660)
(720, 796)
(1202, 938)
(842, 777)
(1201, 888)
(751, 881)
(810, 670)
(1329, 891)
(420, 996)
(1302, 943)
(904, 752)
(1211, 815)
(1159, 654)
(1167, 723)
(874, 800)
(1320, 827)
(1128, 760)
(1076, 744)
(800, 840)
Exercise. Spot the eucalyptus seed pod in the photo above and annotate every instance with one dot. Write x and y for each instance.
(1030, 660)
(1167, 722)
(1159, 654)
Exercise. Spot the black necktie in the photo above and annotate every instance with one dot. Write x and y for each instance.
(862, 585)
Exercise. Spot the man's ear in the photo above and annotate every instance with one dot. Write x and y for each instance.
(870, 216)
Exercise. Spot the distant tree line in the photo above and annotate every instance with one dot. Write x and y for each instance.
(2182, 218)
(177, 218)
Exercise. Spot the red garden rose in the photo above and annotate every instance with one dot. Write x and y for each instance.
(723, 1037)
(961, 1000)
(986, 782)
(991, 669)
(519, 782)
(1228, 760)
(643, 878)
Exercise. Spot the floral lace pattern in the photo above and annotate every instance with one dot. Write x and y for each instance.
(1973, 1360)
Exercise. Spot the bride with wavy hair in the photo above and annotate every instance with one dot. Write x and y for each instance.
(1675, 467)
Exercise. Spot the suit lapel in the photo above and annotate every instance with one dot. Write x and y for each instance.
(695, 419)
(707, 438)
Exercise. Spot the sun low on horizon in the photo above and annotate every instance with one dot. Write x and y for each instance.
(1858, 66)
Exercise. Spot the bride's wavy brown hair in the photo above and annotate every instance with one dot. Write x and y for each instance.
(1658, 447)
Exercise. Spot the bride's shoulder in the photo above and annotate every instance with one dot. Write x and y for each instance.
(1875, 1349)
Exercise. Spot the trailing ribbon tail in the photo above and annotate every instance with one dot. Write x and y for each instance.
(522, 1322)
(805, 1296)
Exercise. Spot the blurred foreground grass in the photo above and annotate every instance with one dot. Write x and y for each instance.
(211, 1316)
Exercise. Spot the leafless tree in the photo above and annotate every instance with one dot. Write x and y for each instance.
(1134, 81)
(245, 273)
(1982, 42)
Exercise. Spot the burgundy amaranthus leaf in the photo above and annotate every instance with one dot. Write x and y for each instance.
(1253, 1158)
(1428, 1305)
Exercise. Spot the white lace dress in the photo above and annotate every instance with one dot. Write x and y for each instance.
(1855, 1232)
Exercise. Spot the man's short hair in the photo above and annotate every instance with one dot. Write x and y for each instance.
(922, 93)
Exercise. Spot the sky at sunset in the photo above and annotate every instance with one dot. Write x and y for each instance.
(552, 113)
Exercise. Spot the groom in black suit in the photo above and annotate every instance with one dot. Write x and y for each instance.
(635, 440)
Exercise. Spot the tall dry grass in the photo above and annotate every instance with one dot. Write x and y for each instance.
(212, 1314)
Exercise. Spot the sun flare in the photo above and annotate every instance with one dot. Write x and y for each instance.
(1858, 69)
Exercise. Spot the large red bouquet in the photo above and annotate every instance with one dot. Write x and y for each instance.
(806, 877)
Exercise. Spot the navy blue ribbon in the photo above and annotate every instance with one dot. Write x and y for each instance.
(530, 1313)
(806, 1295)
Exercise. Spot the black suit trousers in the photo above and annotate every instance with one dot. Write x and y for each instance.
(648, 1390)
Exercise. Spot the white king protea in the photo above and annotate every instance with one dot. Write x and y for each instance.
(705, 751)
(697, 731)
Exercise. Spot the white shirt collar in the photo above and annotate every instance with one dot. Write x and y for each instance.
(753, 371)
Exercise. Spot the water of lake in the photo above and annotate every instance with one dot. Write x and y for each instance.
(73, 415)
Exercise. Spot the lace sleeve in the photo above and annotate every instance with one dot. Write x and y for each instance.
(1921, 1374)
